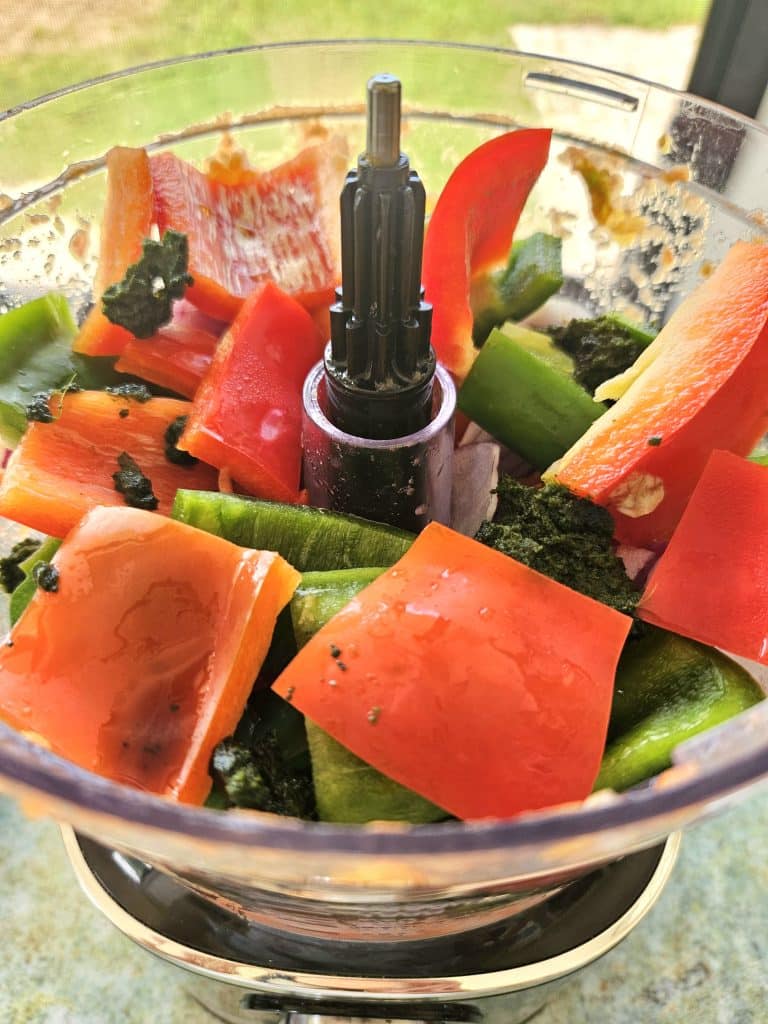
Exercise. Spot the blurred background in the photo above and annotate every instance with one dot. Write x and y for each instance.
(715, 45)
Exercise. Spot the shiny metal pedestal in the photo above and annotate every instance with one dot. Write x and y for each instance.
(247, 974)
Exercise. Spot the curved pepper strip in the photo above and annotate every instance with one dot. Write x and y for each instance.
(127, 221)
(471, 230)
(62, 469)
(701, 387)
(710, 583)
(278, 225)
(481, 685)
(184, 620)
(246, 416)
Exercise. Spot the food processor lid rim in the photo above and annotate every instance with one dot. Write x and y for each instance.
(41, 771)
(436, 44)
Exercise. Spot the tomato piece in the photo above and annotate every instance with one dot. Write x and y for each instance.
(697, 390)
(62, 469)
(246, 416)
(710, 583)
(471, 230)
(151, 645)
(279, 225)
(467, 677)
(127, 221)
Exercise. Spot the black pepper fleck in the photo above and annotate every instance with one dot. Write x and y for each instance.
(335, 651)
(654, 441)
(46, 577)
(175, 707)
(123, 413)
(342, 665)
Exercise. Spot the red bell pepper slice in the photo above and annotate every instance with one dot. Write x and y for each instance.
(152, 642)
(467, 677)
(279, 225)
(471, 230)
(710, 583)
(246, 416)
(127, 221)
(179, 355)
(62, 469)
(700, 390)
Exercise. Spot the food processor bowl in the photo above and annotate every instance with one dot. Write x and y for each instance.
(648, 189)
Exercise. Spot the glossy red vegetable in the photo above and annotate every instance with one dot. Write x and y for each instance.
(127, 221)
(62, 469)
(176, 358)
(467, 677)
(151, 645)
(710, 584)
(471, 230)
(702, 386)
(278, 225)
(246, 416)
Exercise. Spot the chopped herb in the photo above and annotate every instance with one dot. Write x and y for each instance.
(46, 576)
(600, 348)
(143, 301)
(373, 715)
(133, 485)
(654, 441)
(38, 410)
(136, 392)
(567, 538)
(257, 775)
(176, 455)
(335, 651)
(10, 573)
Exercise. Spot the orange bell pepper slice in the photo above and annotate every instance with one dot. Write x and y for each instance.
(471, 230)
(62, 469)
(467, 677)
(699, 389)
(152, 643)
(126, 223)
(279, 225)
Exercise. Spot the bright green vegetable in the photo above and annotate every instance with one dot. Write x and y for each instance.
(530, 407)
(143, 301)
(533, 273)
(257, 777)
(668, 689)
(35, 356)
(309, 538)
(601, 348)
(24, 592)
(346, 788)
(567, 538)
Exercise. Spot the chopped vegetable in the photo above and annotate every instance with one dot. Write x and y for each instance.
(176, 358)
(127, 221)
(309, 538)
(278, 225)
(477, 683)
(25, 591)
(695, 390)
(471, 230)
(533, 273)
(710, 583)
(601, 348)
(35, 357)
(11, 572)
(667, 690)
(565, 537)
(246, 415)
(143, 300)
(185, 621)
(475, 477)
(524, 402)
(62, 469)
(258, 778)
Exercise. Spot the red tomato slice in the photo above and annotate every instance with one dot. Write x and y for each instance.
(143, 659)
(710, 584)
(247, 413)
(279, 225)
(471, 229)
(467, 677)
(62, 469)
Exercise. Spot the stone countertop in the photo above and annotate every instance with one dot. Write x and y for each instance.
(698, 958)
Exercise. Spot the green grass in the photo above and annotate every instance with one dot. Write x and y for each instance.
(51, 58)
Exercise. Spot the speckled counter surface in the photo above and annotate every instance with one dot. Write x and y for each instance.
(698, 958)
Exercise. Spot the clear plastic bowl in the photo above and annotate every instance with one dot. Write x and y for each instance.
(684, 179)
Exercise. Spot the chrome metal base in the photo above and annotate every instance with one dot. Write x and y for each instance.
(244, 973)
